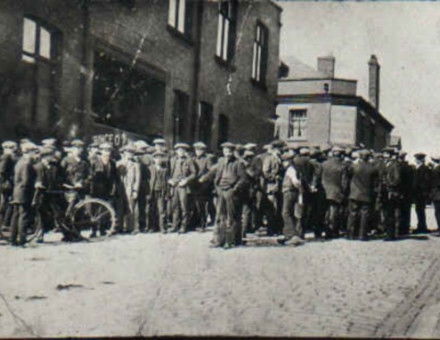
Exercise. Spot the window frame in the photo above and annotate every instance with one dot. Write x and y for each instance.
(227, 14)
(174, 26)
(302, 121)
(36, 56)
(260, 54)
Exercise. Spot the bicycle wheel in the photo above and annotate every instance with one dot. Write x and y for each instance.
(92, 215)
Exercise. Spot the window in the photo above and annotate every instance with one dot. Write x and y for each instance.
(259, 62)
(180, 112)
(205, 122)
(179, 16)
(297, 124)
(226, 29)
(37, 41)
(223, 129)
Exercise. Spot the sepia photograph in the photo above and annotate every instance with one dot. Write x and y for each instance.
(219, 168)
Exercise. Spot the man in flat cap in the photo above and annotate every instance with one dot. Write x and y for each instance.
(183, 172)
(229, 178)
(24, 185)
(405, 205)
(143, 206)
(421, 190)
(158, 182)
(202, 191)
(363, 177)
(392, 195)
(291, 188)
(104, 183)
(273, 173)
(334, 181)
(7, 164)
(48, 205)
(435, 193)
(129, 173)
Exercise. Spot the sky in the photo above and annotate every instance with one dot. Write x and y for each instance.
(405, 37)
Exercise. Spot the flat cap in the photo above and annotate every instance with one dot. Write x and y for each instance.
(9, 144)
(388, 150)
(420, 155)
(436, 158)
(128, 148)
(49, 141)
(248, 153)
(277, 143)
(304, 151)
(181, 146)
(25, 140)
(159, 141)
(287, 156)
(141, 145)
(199, 145)
(337, 149)
(228, 145)
(28, 147)
(250, 146)
(363, 152)
(77, 143)
(46, 151)
(105, 146)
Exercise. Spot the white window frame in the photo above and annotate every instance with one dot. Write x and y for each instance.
(37, 41)
(297, 126)
(177, 15)
(260, 44)
(224, 29)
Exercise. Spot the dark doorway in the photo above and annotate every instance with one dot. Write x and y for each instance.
(223, 128)
(205, 122)
(127, 98)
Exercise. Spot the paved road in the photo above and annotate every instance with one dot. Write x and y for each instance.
(174, 284)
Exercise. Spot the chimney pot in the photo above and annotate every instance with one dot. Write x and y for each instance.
(374, 81)
(326, 65)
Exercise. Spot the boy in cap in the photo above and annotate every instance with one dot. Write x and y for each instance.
(421, 190)
(405, 205)
(129, 172)
(202, 191)
(183, 172)
(158, 183)
(7, 164)
(24, 183)
(104, 182)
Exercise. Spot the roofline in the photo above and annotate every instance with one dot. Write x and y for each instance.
(317, 78)
(339, 99)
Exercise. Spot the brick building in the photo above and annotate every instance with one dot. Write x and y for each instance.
(315, 108)
(181, 69)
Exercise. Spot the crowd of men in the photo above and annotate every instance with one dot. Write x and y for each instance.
(282, 189)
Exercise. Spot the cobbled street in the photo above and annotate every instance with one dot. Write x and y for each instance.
(152, 284)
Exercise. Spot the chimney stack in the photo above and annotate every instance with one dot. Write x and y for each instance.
(326, 65)
(374, 81)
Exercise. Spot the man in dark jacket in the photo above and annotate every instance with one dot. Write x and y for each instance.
(421, 191)
(334, 181)
(405, 205)
(391, 179)
(7, 164)
(435, 194)
(202, 191)
(183, 172)
(229, 178)
(22, 196)
(363, 176)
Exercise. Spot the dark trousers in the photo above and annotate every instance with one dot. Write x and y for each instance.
(141, 212)
(201, 205)
(228, 217)
(159, 210)
(21, 220)
(437, 213)
(392, 218)
(273, 213)
(334, 212)
(249, 213)
(180, 209)
(421, 215)
(357, 224)
(292, 227)
(48, 213)
(405, 217)
(318, 213)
